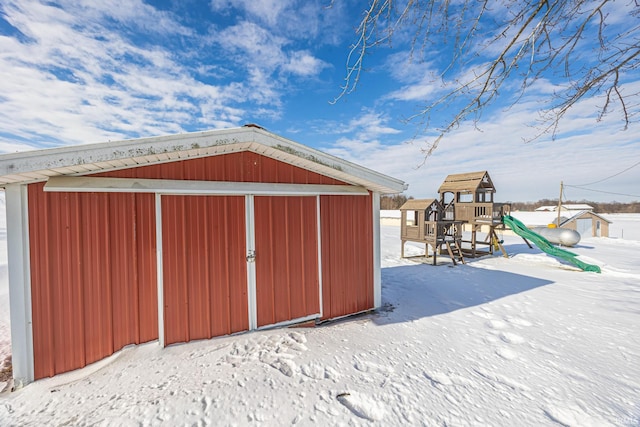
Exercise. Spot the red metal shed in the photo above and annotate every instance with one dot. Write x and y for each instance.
(180, 238)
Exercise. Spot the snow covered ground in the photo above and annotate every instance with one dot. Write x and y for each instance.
(624, 226)
(526, 341)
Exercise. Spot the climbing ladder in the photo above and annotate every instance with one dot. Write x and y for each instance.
(455, 251)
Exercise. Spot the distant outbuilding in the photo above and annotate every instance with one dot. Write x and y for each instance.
(565, 207)
(587, 223)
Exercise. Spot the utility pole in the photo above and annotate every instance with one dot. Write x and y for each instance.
(559, 205)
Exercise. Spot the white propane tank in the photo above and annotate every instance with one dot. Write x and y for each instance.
(560, 236)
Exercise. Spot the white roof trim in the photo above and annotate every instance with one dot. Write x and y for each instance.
(577, 216)
(170, 186)
(79, 160)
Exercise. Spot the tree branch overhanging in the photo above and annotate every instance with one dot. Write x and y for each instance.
(520, 42)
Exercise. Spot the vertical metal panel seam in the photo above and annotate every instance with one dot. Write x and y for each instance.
(18, 252)
(109, 278)
(299, 212)
(189, 280)
(81, 291)
(27, 281)
(271, 270)
(319, 233)
(145, 239)
(304, 284)
(45, 280)
(287, 250)
(207, 273)
(136, 273)
(58, 294)
(377, 275)
(185, 288)
(159, 267)
(227, 272)
(251, 266)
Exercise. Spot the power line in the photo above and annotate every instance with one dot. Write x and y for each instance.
(609, 177)
(600, 191)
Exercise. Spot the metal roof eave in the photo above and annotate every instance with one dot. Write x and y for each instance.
(190, 187)
(77, 160)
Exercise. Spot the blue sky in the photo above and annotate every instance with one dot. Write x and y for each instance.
(74, 72)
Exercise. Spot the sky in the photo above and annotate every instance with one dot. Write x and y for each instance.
(76, 72)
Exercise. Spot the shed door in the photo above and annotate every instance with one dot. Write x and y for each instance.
(583, 226)
(204, 267)
(286, 257)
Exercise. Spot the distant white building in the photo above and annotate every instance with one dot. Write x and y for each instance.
(585, 222)
(390, 217)
(576, 207)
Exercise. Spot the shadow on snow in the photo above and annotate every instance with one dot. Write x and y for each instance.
(416, 291)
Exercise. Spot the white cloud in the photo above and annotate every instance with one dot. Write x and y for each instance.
(421, 91)
(324, 22)
(367, 127)
(267, 60)
(261, 49)
(263, 91)
(73, 78)
(418, 78)
(585, 151)
(258, 45)
(407, 68)
(78, 72)
(303, 63)
(372, 125)
(267, 11)
(135, 14)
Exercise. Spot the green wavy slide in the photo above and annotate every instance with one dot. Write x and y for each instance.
(521, 230)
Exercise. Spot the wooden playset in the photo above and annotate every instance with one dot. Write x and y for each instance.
(465, 204)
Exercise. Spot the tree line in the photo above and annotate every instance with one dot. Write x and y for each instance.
(393, 202)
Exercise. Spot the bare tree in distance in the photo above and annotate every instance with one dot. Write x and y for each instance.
(587, 48)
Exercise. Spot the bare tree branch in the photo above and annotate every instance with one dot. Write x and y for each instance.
(515, 41)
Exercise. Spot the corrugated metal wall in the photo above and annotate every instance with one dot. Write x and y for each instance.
(239, 167)
(93, 276)
(287, 282)
(347, 254)
(204, 267)
(93, 260)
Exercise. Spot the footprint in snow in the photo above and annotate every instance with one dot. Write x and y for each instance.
(370, 367)
(438, 378)
(511, 338)
(507, 354)
(313, 370)
(518, 321)
(483, 314)
(285, 366)
(502, 379)
(319, 372)
(362, 405)
(572, 416)
(491, 339)
(496, 324)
